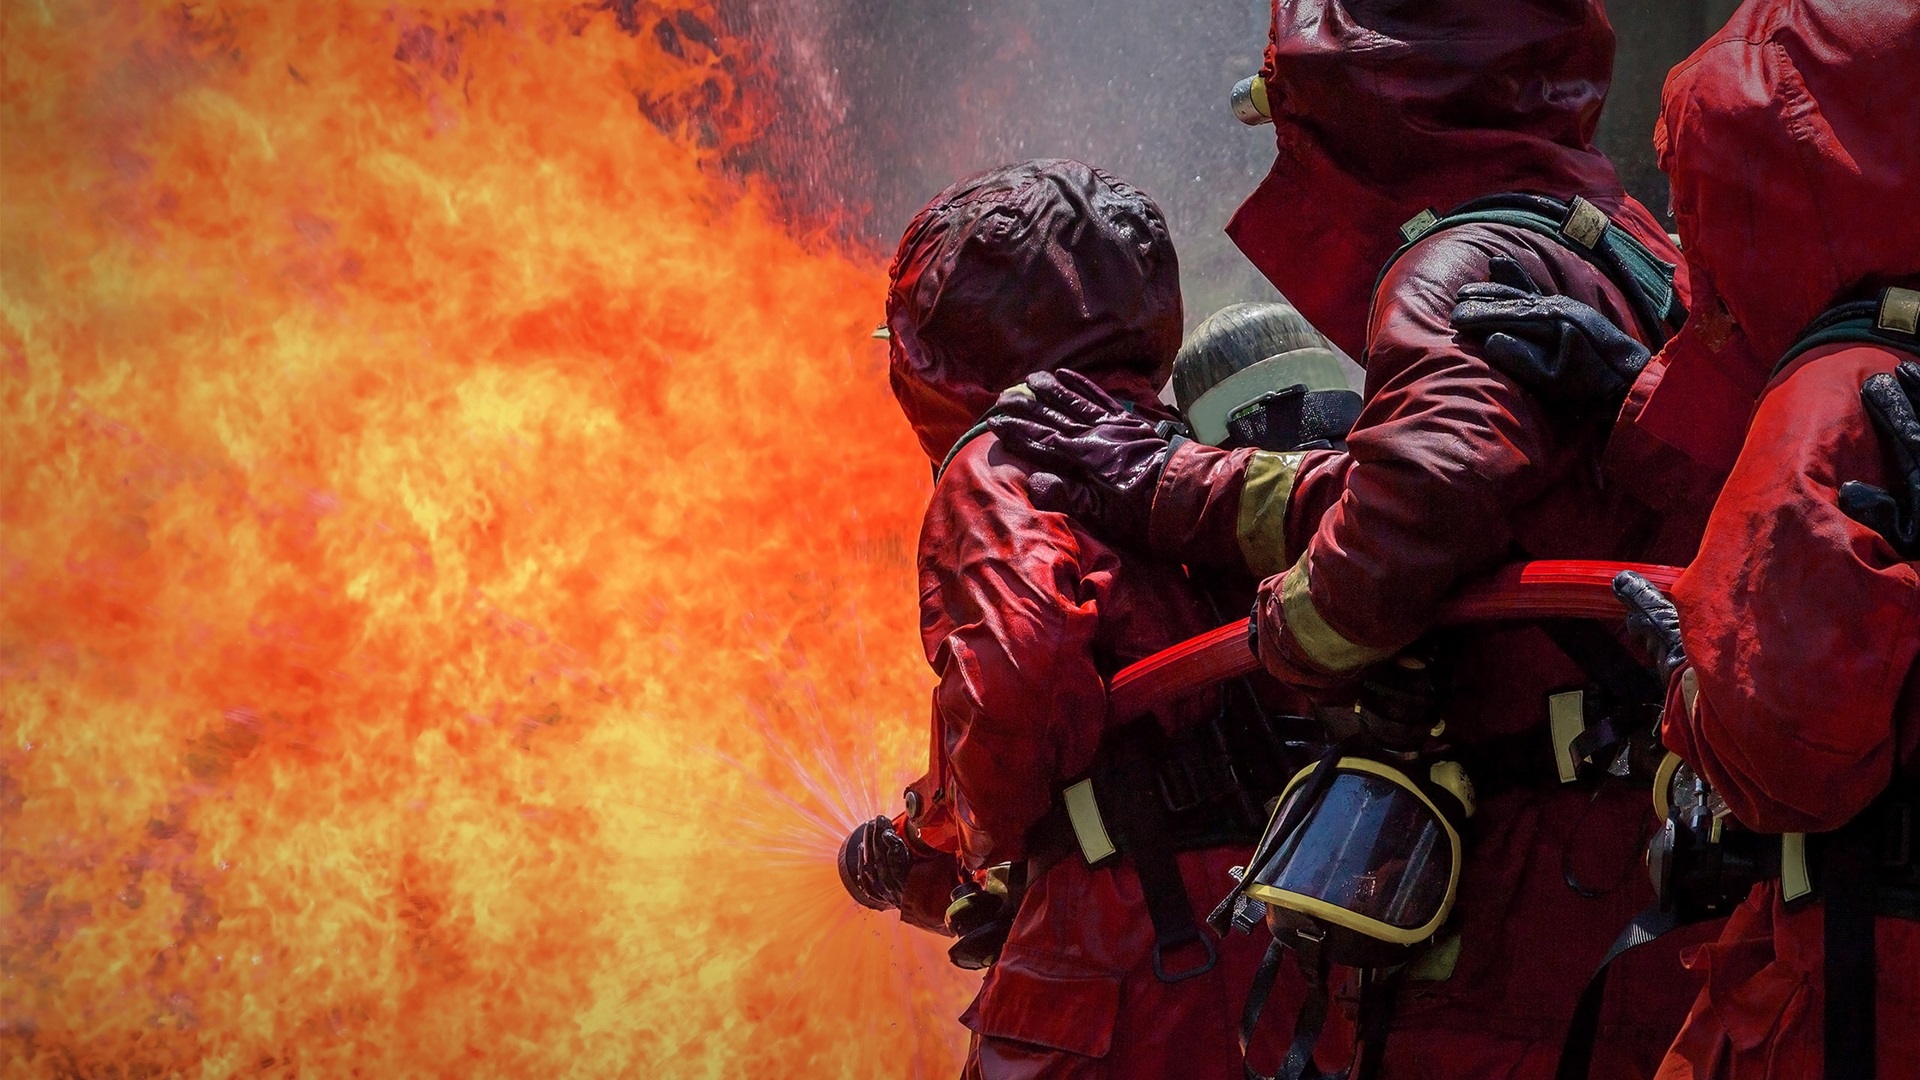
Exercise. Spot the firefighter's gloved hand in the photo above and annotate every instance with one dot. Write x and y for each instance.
(1557, 348)
(1893, 402)
(874, 864)
(1102, 463)
(1653, 622)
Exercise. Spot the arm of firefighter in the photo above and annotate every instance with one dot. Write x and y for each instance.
(1445, 452)
(1801, 625)
(1021, 705)
(1218, 507)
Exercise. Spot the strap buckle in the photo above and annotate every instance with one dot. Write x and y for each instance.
(1585, 224)
(1899, 311)
(1175, 940)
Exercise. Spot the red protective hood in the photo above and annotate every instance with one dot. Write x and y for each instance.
(1383, 109)
(1031, 267)
(1790, 139)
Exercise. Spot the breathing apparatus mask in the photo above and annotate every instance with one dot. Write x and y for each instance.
(1259, 375)
(1362, 853)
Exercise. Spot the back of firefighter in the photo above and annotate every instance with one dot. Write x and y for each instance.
(1383, 111)
(1052, 265)
(1792, 139)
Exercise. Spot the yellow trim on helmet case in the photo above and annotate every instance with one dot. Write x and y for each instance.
(1663, 786)
(1352, 920)
(1262, 526)
(1323, 644)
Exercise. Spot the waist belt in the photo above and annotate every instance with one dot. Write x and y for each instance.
(1147, 799)
(1866, 868)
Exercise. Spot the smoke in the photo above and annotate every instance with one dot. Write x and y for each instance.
(881, 103)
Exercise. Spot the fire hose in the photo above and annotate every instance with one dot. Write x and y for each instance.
(1545, 589)
(1520, 592)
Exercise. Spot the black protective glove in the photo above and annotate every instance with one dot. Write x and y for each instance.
(1102, 462)
(1652, 621)
(1892, 401)
(874, 863)
(1557, 348)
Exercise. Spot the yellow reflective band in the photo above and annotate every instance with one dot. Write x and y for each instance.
(1262, 528)
(1088, 827)
(1795, 882)
(1567, 720)
(1323, 644)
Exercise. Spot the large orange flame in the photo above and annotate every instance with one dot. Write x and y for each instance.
(455, 560)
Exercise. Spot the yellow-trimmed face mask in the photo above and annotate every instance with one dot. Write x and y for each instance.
(1365, 854)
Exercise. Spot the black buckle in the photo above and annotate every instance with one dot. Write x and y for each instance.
(1176, 940)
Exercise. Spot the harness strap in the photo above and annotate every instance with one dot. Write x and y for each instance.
(960, 444)
(1128, 790)
(1576, 1053)
(1892, 319)
(1644, 278)
(1379, 993)
(1847, 877)
(1257, 995)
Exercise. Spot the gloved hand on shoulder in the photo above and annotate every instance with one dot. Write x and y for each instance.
(1892, 401)
(1557, 348)
(1102, 463)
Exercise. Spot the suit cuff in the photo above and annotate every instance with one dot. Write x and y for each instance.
(1195, 505)
(1297, 643)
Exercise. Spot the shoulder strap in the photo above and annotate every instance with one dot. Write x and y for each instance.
(960, 444)
(1585, 230)
(1892, 320)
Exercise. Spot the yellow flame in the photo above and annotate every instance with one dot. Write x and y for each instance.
(455, 560)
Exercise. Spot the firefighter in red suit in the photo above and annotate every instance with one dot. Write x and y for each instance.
(1789, 138)
(1385, 112)
(1105, 970)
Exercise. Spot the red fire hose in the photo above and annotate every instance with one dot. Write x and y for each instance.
(1558, 589)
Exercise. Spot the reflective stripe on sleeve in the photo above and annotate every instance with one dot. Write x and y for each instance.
(1321, 643)
(1262, 528)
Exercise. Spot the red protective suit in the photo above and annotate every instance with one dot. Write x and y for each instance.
(1024, 614)
(1384, 110)
(1789, 138)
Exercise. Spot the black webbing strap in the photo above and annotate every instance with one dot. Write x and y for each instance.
(1605, 660)
(960, 444)
(1642, 277)
(1379, 993)
(1311, 957)
(1846, 891)
(1853, 323)
(1576, 1053)
(1257, 995)
(1127, 790)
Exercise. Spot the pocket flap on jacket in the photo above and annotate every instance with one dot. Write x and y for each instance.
(1049, 1001)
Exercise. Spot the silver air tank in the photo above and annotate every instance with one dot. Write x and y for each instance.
(1250, 101)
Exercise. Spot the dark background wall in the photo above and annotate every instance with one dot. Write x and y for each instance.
(912, 94)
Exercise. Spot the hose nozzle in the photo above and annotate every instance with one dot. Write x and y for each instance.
(1249, 100)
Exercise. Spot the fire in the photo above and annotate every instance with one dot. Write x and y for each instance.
(456, 551)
